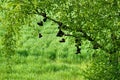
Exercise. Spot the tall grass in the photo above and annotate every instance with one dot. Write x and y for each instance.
(43, 58)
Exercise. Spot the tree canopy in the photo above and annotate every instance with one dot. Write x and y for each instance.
(97, 21)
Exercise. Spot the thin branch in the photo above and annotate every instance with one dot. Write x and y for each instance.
(95, 43)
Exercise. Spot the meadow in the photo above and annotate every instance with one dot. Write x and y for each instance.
(46, 58)
(43, 58)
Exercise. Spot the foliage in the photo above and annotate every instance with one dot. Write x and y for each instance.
(101, 68)
(94, 21)
(98, 21)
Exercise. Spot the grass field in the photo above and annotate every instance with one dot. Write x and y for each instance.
(46, 58)
(40, 68)
(43, 58)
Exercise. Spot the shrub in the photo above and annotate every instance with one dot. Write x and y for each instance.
(101, 69)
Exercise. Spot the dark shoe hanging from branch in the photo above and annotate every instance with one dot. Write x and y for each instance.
(60, 33)
(43, 14)
(78, 50)
(40, 35)
(40, 23)
(60, 24)
(45, 19)
(62, 40)
(76, 40)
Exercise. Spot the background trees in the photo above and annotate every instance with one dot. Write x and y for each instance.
(93, 21)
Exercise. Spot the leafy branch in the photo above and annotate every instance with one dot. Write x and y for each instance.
(95, 44)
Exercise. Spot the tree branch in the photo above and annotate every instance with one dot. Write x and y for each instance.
(96, 45)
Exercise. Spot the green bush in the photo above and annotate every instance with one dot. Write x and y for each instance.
(101, 69)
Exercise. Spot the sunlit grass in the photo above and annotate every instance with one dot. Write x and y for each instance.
(43, 58)
(32, 67)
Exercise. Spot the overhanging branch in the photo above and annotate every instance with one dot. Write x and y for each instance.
(96, 45)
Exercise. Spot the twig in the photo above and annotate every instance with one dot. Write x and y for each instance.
(80, 30)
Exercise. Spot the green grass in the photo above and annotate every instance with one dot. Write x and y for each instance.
(46, 58)
(39, 68)
(43, 58)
